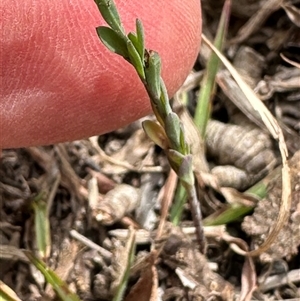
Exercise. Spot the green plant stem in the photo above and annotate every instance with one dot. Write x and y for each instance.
(147, 64)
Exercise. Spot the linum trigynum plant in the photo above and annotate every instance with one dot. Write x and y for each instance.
(168, 133)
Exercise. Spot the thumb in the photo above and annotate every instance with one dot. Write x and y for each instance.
(59, 82)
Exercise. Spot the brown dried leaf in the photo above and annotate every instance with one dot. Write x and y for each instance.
(249, 63)
(248, 280)
(146, 287)
(69, 178)
(105, 184)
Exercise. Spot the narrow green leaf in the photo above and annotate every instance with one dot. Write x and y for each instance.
(135, 60)
(173, 128)
(130, 252)
(183, 143)
(110, 14)
(155, 109)
(156, 133)
(185, 172)
(140, 38)
(164, 98)
(138, 45)
(226, 215)
(42, 226)
(152, 72)
(175, 159)
(59, 286)
(113, 41)
(133, 38)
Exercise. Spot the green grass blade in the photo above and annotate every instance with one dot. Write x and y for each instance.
(229, 214)
(203, 109)
(59, 286)
(178, 205)
(130, 246)
(42, 226)
(233, 212)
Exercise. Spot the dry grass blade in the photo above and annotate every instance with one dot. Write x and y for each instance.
(295, 64)
(293, 13)
(277, 134)
(167, 198)
(276, 281)
(257, 20)
(7, 294)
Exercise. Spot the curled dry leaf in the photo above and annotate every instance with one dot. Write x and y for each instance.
(248, 148)
(284, 80)
(295, 64)
(258, 225)
(118, 202)
(248, 280)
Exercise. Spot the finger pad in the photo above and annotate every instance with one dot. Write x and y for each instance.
(60, 83)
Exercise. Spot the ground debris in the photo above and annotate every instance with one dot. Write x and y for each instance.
(259, 224)
(171, 268)
(194, 277)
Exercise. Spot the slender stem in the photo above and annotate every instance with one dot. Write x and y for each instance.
(196, 216)
(148, 66)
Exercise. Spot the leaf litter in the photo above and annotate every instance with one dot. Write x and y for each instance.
(78, 179)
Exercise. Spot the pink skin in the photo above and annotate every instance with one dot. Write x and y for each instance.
(59, 83)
